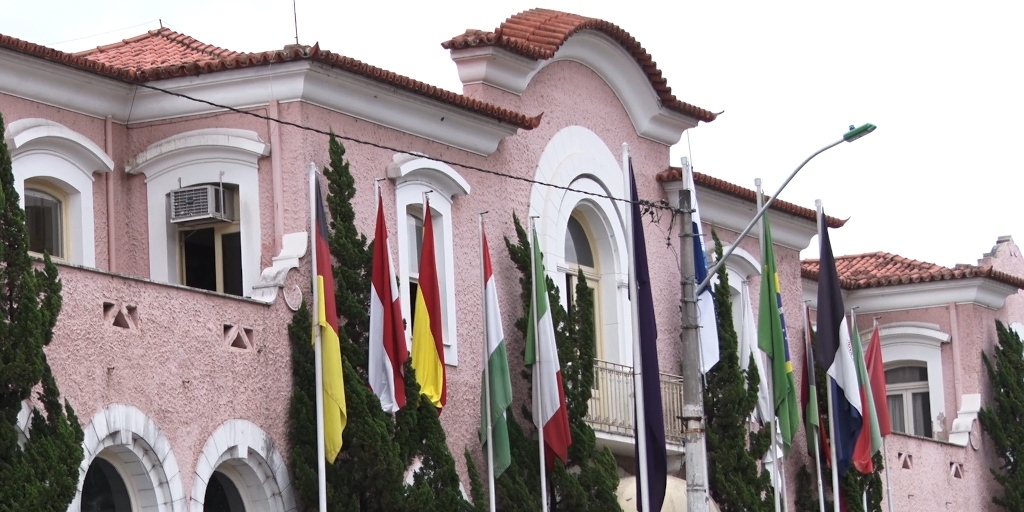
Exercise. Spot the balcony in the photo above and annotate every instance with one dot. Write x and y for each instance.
(610, 412)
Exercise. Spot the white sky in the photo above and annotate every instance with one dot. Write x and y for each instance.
(938, 181)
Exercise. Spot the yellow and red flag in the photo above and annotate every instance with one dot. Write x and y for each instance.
(427, 338)
(335, 416)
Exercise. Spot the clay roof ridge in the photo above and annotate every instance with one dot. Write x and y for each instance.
(919, 272)
(746, 194)
(539, 33)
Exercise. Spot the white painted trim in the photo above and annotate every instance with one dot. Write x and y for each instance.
(67, 160)
(595, 50)
(251, 460)
(922, 343)
(960, 432)
(155, 479)
(577, 158)
(253, 87)
(21, 424)
(981, 291)
(413, 176)
(199, 157)
(731, 213)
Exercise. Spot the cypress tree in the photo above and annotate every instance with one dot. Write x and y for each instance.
(735, 479)
(369, 474)
(1003, 420)
(590, 479)
(42, 472)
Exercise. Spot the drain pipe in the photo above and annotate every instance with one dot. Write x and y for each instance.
(111, 238)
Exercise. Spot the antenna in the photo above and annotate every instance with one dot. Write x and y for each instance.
(295, 16)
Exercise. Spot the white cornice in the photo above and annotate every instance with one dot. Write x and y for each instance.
(732, 213)
(982, 291)
(71, 89)
(606, 57)
(63, 87)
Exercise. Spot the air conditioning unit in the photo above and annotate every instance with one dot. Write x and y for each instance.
(202, 204)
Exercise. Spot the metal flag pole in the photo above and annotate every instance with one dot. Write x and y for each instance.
(831, 409)
(640, 426)
(536, 374)
(487, 372)
(853, 322)
(812, 381)
(321, 456)
(776, 475)
(885, 452)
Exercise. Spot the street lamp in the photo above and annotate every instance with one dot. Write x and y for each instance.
(850, 136)
(693, 398)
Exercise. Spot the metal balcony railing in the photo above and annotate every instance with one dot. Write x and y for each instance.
(611, 405)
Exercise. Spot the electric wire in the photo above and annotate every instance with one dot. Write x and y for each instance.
(660, 204)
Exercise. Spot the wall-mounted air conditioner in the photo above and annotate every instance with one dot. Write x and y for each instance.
(202, 204)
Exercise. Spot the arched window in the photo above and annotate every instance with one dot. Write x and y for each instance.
(579, 256)
(222, 494)
(46, 218)
(54, 170)
(414, 177)
(912, 352)
(203, 199)
(909, 401)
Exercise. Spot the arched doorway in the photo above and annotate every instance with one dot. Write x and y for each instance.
(580, 258)
(222, 495)
(104, 489)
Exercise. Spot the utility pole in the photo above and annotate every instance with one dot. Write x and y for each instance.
(693, 394)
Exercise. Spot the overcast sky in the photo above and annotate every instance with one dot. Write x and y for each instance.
(938, 181)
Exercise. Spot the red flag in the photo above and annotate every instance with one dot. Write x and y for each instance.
(388, 351)
(876, 374)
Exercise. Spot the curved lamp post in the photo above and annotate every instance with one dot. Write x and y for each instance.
(693, 400)
(850, 136)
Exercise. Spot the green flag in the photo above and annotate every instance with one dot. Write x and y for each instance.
(497, 380)
(772, 339)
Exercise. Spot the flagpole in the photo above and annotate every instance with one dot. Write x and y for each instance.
(831, 409)
(853, 322)
(536, 374)
(487, 377)
(809, 361)
(640, 425)
(885, 452)
(771, 384)
(321, 456)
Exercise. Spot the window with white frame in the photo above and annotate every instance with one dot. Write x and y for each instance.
(912, 352)
(908, 399)
(415, 178)
(204, 212)
(54, 170)
(580, 257)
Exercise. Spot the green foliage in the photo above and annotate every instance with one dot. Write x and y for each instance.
(43, 474)
(590, 480)
(369, 474)
(1003, 420)
(477, 491)
(735, 479)
(855, 483)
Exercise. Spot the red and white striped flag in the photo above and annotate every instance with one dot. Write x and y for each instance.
(388, 350)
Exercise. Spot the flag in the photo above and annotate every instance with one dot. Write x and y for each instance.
(427, 339)
(809, 392)
(866, 444)
(834, 353)
(335, 416)
(876, 374)
(497, 379)
(653, 421)
(705, 303)
(748, 340)
(388, 350)
(774, 341)
(549, 412)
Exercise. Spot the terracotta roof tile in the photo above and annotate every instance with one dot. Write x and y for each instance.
(539, 33)
(750, 196)
(160, 47)
(158, 55)
(876, 269)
